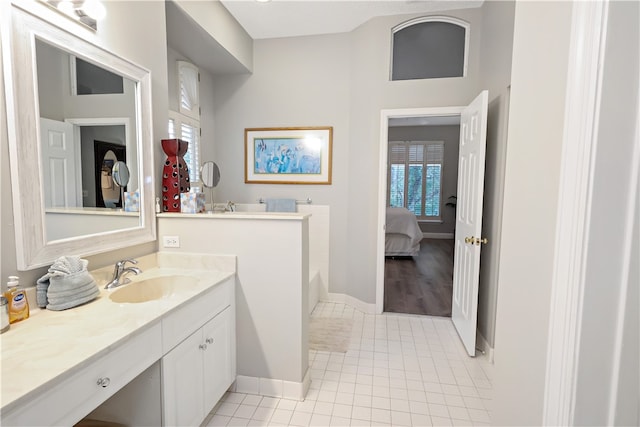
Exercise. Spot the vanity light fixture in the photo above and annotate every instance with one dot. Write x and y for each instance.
(89, 12)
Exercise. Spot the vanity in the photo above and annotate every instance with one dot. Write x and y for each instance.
(176, 346)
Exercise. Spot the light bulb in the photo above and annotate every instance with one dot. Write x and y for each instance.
(94, 9)
(66, 7)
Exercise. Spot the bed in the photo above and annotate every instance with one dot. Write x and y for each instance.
(403, 234)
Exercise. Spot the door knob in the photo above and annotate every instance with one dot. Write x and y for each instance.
(479, 240)
(469, 239)
(202, 346)
(209, 340)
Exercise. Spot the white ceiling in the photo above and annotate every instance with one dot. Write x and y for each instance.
(291, 18)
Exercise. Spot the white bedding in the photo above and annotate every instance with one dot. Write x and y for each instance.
(403, 234)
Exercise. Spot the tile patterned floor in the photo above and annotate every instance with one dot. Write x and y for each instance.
(400, 370)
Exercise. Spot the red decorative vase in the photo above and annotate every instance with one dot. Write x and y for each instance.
(175, 174)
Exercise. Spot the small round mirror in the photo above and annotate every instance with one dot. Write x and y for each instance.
(210, 174)
(120, 174)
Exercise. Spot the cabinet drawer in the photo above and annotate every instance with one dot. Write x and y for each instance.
(73, 397)
(190, 317)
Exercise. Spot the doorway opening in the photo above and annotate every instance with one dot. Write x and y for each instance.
(469, 203)
(422, 177)
(414, 117)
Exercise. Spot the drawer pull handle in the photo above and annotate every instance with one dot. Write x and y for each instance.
(203, 346)
(104, 382)
(209, 340)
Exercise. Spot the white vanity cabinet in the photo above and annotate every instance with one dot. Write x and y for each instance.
(135, 364)
(199, 369)
(66, 402)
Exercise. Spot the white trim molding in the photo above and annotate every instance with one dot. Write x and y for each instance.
(272, 387)
(584, 80)
(484, 346)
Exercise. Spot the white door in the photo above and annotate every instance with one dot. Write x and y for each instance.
(183, 383)
(59, 165)
(468, 243)
(217, 358)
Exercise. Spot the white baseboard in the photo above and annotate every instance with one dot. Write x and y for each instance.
(365, 307)
(272, 387)
(437, 235)
(483, 344)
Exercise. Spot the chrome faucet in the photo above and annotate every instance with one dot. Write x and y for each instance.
(120, 271)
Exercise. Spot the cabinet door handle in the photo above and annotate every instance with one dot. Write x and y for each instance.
(103, 382)
(209, 340)
(202, 346)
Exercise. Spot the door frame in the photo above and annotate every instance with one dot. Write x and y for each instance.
(385, 115)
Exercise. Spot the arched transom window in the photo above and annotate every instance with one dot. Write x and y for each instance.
(429, 48)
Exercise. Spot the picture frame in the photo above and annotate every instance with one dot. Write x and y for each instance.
(288, 155)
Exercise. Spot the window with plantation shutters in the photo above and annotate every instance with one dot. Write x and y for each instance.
(189, 85)
(188, 130)
(185, 124)
(415, 177)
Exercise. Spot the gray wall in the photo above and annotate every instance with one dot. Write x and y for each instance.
(450, 135)
(300, 81)
(339, 80)
(53, 73)
(495, 69)
(530, 210)
(607, 383)
(143, 22)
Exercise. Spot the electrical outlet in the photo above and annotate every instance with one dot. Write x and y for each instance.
(171, 241)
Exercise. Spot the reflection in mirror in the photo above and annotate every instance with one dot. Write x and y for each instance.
(106, 194)
(121, 174)
(110, 191)
(87, 125)
(210, 175)
(62, 144)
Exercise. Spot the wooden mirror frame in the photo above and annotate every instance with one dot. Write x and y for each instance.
(20, 75)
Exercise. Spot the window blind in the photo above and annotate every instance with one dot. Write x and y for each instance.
(415, 177)
(187, 130)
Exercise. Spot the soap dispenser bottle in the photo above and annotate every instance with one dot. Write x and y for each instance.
(17, 299)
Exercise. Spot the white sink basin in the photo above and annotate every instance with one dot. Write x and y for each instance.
(149, 289)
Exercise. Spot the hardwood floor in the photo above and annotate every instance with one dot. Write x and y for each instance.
(422, 284)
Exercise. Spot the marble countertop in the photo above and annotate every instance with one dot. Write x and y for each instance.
(38, 351)
(296, 216)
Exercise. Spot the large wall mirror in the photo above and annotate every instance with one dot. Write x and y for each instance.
(74, 111)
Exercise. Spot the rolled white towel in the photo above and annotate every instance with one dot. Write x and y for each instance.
(67, 287)
(41, 292)
(76, 301)
(66, 284)
(68, 265)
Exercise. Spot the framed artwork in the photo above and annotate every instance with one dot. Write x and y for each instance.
(294, 155)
